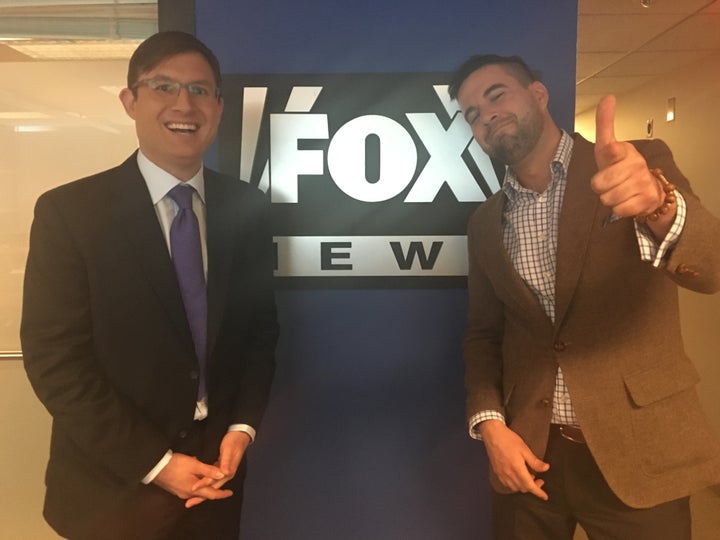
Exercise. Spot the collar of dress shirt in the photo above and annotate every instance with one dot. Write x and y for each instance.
(511, 185)
(159, 181)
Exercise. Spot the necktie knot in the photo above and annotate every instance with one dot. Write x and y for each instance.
(182, 195)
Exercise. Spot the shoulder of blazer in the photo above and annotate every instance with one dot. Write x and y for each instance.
(97, 182)
(98, 196)
(488, 215)
(222, 189)
(230, 182)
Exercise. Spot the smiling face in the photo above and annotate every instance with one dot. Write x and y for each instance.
(506, 117)
(175, 130)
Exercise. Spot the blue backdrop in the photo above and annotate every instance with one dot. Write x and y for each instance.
(364, 437)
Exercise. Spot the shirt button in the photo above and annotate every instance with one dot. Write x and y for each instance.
(545, 402)
(194, 375)
(183, 434)
(559, 346)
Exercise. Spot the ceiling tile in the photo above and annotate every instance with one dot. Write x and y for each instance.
(652, 63)
(586, 101)
(610, 85)
(610, 33)
(634, 6)
(713, 8)
(701, 31)
(591, 63)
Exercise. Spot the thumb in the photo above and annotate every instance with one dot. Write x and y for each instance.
(225, 462)
(606, 151)
(535, 463)
(210, 471)
(605, 121)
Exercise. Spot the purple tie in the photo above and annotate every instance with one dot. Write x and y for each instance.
(187, 258)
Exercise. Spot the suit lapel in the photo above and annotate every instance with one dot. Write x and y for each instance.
(137, 223)
(579, 212)
(221, 210)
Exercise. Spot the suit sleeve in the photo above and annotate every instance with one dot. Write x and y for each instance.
(694, 262)
(60, 359)
(263, 329)
(482, 344)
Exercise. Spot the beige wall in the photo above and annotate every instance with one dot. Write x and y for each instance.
(694, 138)
(25, 429)
(74, 125)
(83, 129)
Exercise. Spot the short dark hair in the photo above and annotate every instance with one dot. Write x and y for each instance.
(514, 65)
(163, 45)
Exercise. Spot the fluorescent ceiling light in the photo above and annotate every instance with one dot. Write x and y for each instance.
(34, 129)
(75, 49)
(22, 115)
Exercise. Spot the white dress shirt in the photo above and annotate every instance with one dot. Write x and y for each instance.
(159, 183)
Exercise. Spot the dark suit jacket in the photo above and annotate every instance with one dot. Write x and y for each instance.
(616, 337)
(105, 339)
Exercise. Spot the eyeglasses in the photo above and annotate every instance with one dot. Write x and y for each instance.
(170, 87)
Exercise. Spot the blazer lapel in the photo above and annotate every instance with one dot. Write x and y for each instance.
(221, 210)
(137, 223)
(581, 209)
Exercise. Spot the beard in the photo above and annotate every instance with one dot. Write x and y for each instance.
(511, 148)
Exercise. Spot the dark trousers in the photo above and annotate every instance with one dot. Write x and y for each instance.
(151, 513)
(578, 493)
(154, 514)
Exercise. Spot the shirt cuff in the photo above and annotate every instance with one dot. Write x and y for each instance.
(479, 418)
(149, 477)
(245, 429)
(650, 251)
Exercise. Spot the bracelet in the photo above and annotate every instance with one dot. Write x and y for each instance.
(670, 199)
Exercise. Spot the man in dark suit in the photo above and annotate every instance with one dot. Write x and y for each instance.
(576, 376)
(155, 390)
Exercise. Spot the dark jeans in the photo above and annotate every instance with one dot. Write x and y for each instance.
(578, 493)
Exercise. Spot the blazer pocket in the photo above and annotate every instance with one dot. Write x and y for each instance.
(669, 428)
(659, 382)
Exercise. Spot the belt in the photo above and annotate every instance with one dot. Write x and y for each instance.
(571, 433)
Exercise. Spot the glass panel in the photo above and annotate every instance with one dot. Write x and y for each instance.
(59, 120)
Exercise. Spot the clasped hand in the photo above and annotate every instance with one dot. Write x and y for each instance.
(189, 478)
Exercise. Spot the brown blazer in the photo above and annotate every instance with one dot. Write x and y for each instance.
(616, 337)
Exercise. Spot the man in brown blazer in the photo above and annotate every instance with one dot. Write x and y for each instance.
(576, 376)
(155, 389)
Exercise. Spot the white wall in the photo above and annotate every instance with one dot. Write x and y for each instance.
(694, 138)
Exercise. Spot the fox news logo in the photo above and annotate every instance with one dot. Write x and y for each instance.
(372, 176)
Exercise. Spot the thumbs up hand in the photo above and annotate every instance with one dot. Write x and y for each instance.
(623, 181)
